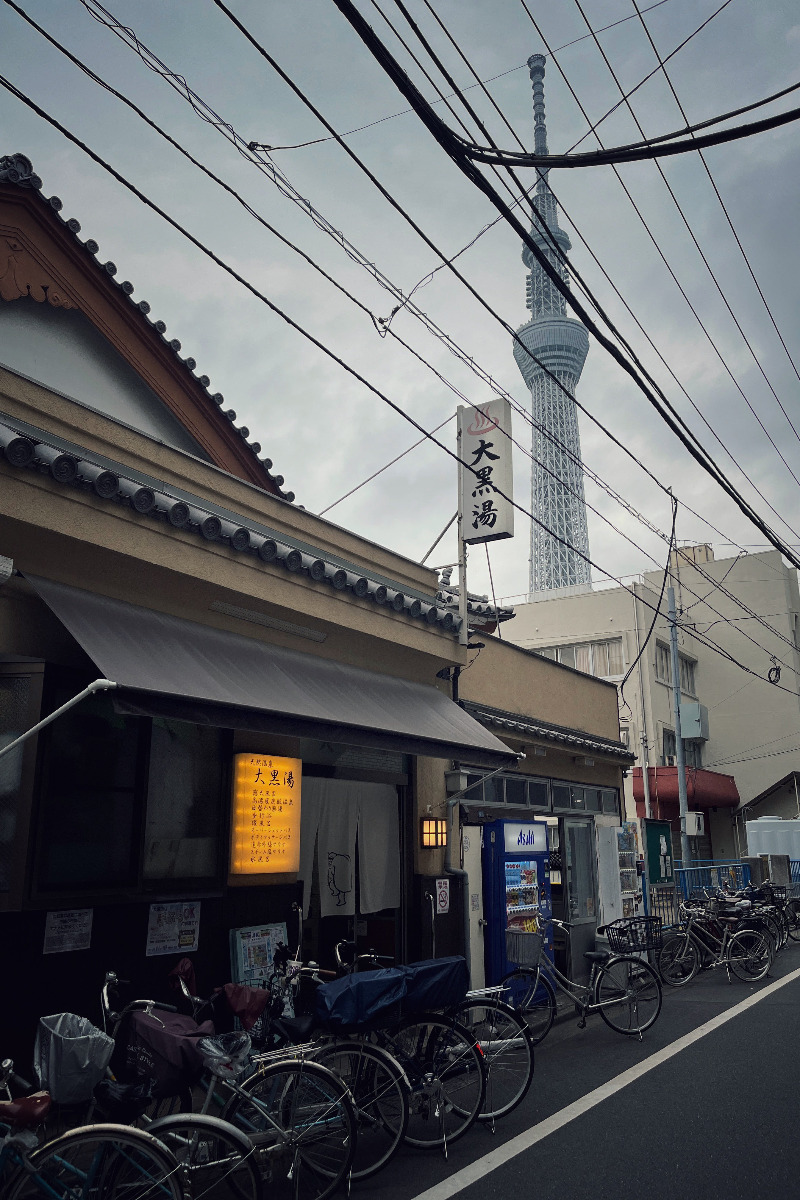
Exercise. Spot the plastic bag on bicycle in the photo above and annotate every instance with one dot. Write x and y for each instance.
(435, 983)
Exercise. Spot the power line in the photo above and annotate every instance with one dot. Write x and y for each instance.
(715, 120)
(318, 344)
(445, 139)
(202, 108)
(311, 262)
(408, 111)
(673, 276)
(726, 213)
(564, 258)
(699, 248)
(284, 185)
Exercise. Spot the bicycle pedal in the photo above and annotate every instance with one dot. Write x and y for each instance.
(582, 1023)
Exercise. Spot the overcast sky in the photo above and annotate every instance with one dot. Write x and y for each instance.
(324, 431)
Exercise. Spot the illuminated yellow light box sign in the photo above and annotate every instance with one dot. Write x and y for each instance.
(266, 815)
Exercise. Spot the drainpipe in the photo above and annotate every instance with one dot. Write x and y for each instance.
(676, 713)
(459, 872)
(99, 685)
(796, 796)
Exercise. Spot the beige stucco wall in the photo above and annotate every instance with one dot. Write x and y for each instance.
(68, 534)
(754, 727)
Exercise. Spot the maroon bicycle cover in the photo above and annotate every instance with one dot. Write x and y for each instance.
(163, 1046)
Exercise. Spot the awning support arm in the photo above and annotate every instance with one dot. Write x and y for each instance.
(99, 685)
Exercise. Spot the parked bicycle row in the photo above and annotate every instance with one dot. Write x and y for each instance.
(741, 931)
(309, 1083)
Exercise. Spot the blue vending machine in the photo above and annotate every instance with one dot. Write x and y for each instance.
(516, 886)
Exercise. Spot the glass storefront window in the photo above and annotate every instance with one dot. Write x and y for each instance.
(561, 796)
(14, 704)
(593, 800)
(87, 818)
(577, 799)
(493, 790)
(516, 792)
(183, 801)
(538, 796)
(610, 804)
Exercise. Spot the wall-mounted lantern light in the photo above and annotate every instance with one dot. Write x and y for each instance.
(432, 833)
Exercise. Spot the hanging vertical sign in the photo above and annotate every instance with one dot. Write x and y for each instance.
(487, 479)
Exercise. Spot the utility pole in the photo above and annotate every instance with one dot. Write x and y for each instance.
(676, 712)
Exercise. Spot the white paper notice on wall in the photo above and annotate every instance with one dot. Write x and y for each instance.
(68, 930)
(173, 928)
(442, 897)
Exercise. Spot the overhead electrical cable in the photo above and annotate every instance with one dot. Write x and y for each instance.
(561, 255)
(725, 211)
(705, 261)
(28, 102)
(311, 262)
(672, 274)
(207, 113)
(445, 139)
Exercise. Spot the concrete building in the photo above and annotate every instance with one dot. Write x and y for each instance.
(741, 727)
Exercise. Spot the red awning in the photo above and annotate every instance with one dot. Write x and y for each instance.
(704, 789)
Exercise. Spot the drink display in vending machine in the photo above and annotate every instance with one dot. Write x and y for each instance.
(516, 887)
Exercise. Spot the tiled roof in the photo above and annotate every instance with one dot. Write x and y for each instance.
(561, 735)
(18, 169)
(24, 447)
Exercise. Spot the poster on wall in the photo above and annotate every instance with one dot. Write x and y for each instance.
(252, 951)
(173, 928)
(68, 930)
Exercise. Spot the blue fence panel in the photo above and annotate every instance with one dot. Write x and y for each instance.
(794, 869)
(712, 875)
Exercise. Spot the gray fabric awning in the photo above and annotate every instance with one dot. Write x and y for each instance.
(171, 667)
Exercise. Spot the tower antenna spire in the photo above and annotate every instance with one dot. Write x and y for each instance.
(560, 344)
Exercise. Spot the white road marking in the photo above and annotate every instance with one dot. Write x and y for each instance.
(523, 1141)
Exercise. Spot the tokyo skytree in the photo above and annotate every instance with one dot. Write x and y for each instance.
(561, 344)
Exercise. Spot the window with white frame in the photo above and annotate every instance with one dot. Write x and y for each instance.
(605, 659)
(686, 668)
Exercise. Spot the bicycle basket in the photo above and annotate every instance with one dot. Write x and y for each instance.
(634, 934)
(523, 948)
(775, 891)
(70, 1056)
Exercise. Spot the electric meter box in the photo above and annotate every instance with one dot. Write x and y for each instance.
(695, 824)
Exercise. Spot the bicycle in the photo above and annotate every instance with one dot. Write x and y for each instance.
(430, 1056)
(623, 988)
(297, 1137)
(507, 1047)
(712, 938)
(109, 1161)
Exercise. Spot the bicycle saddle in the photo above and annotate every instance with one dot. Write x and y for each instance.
(597, 955)
(27, 1111)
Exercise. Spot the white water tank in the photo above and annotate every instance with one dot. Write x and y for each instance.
(771, 835)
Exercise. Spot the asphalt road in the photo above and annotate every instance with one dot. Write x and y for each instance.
(688, 1113)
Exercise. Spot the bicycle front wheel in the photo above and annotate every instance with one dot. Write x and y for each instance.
(678, 960)
(630, 994)
(444, 1066)
(750, 954)
(531, 994)
(108, 1161)
(792, 911)
(380, 1097)
(218, 1161)
(300, 1118)
(507, 1052)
